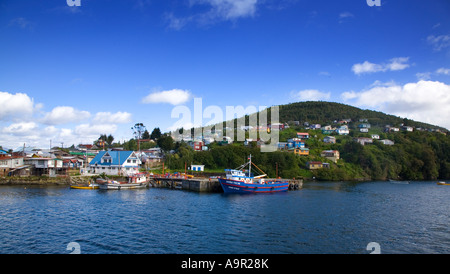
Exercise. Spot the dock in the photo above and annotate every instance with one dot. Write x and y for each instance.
(204, 185)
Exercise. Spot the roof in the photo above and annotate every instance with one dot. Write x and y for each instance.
(115, 156)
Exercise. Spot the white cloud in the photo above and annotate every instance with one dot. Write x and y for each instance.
(92, 131)
(439, 42)
(423, 75)
(112, 118)
(399, 63)
(174, 97)
(21, 129)
(345, 14)
(15, 106)
(64, 114)
(425, 101)
(310, 95)
(444, 71)
(219, 10)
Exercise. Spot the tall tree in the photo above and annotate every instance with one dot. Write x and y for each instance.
(156, 133)
(138, 131)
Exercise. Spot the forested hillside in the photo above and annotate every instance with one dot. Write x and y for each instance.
(423, 154)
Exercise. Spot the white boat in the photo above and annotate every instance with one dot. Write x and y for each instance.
(138, 180)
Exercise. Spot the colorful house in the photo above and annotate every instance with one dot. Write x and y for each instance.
(115, 163)
(303, 135)
(295, 143)
(311, 165)
(303, 151)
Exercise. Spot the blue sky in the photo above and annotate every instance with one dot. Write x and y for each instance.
(69, 74)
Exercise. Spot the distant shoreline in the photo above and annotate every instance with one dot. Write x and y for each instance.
(35, 180)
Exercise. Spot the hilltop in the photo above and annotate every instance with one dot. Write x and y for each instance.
(327, 112)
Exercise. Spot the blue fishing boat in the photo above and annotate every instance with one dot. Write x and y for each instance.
(238, 181)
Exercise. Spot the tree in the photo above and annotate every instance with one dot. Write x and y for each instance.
(110, 139)
(138, 130)
(165, 142)
(156, 133)
(146, 135)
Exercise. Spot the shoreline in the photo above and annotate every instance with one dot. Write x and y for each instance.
(70, 180)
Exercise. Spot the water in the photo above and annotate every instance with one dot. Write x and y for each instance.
(323, 217)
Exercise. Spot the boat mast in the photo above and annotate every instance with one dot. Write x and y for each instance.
(250, 166)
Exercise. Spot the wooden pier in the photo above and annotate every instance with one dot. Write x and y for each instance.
(203, 184)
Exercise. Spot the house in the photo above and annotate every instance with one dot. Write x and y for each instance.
(332, 155)
(329, 140)
(391, 129)
(364, 125)
(46, 166)
(303, 135)
(375, 136)
(315, 126)
(197, 145)
(295, 143)
(363, 140)
(10, 166)
(115, 163)
(282, 145)
(342, 130)
(407, 128)
(364, 130)
(302, 151)
(311, 165)
(4, 153)
(278, 126)
(387, 142)
(198, 167)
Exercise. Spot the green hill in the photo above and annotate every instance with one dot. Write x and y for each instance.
(423, 154)
(327, 112)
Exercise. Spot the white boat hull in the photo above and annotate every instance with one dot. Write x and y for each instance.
(113, 186)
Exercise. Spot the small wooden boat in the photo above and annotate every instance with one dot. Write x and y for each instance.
(139, 180)
(90, 186)
(443, 184)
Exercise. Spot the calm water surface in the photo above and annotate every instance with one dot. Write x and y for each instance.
(323, 217)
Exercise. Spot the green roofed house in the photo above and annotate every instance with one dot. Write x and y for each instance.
(123, 163)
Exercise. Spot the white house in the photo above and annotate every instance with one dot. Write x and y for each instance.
(123, 163)
(11, 165)
(46, 166)
(343, 130)
(198, 167)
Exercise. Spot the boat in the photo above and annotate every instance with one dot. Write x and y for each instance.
(443, 184)
(135, 181)
(238, 181)
(89, 186)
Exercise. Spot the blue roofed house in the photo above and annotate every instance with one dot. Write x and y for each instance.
(123, 163)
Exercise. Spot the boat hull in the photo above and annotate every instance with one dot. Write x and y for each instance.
(443, 184)
(84, 187)
(234, 186)
(113, 186)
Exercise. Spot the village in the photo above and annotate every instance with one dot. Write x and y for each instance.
(95, 159)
